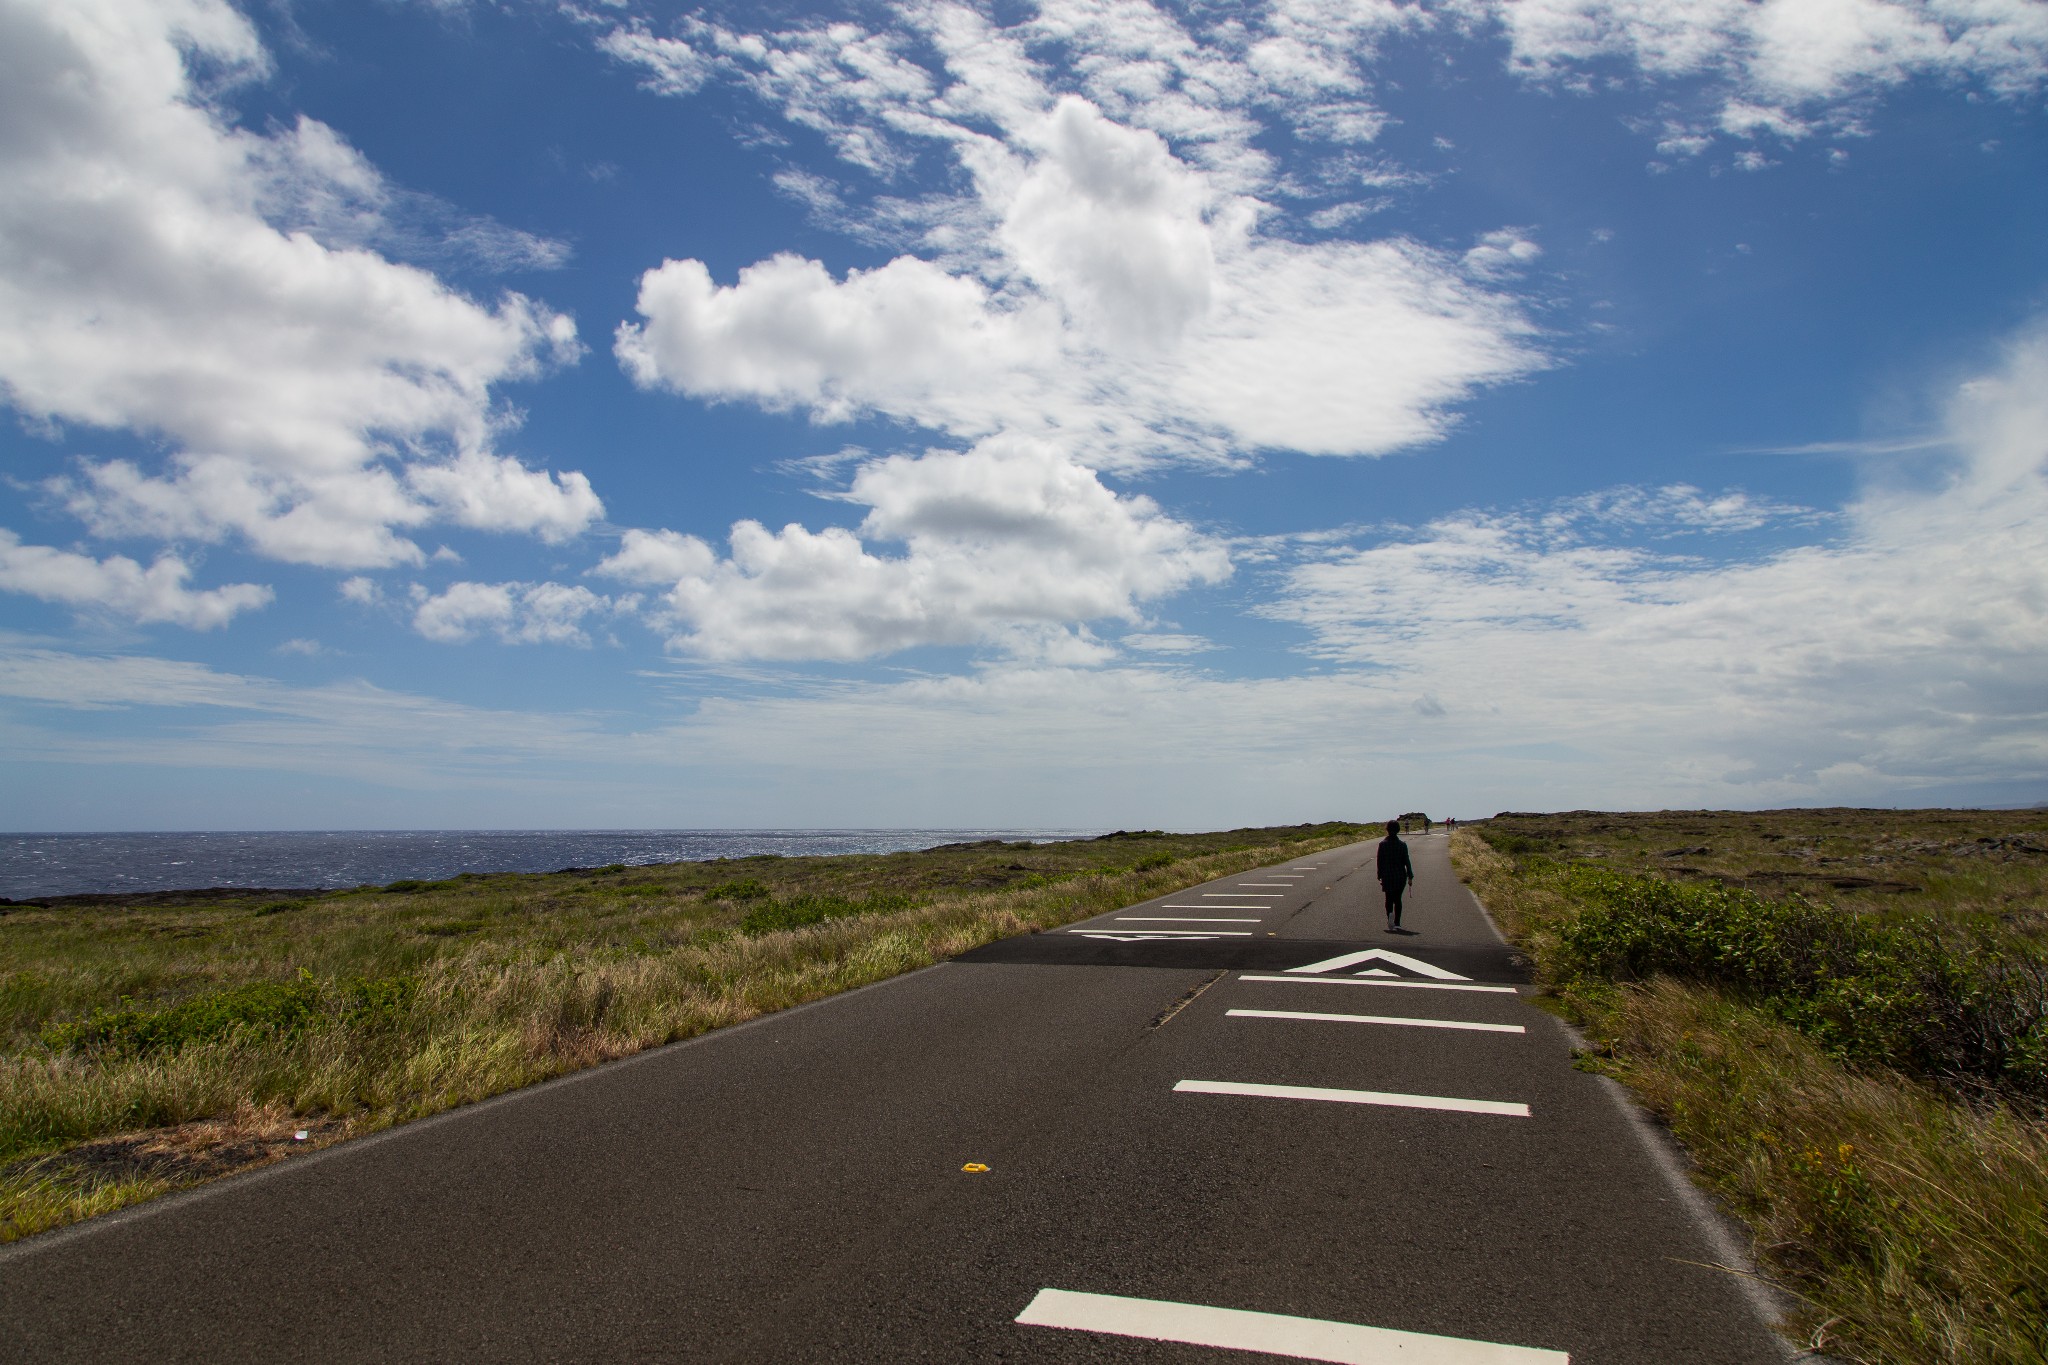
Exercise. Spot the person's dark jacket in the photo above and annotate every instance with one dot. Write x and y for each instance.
(1395, 869)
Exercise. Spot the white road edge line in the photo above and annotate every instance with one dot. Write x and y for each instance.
(1378, 1019)
(1366, 981)
(1504, 1108)
(1237, 1329)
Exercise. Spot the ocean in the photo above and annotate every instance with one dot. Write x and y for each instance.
(70, 864)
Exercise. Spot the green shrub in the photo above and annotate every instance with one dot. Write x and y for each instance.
(366, 1004)
(748, 890)
(260, 1009)
(1516, 845)
(801, 911)
(1965, 1008)
(263, 1007)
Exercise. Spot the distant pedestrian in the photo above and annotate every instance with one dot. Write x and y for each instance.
(1396, 872)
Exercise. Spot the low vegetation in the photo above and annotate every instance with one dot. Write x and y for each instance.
(153, 1041)
(1843, 1015)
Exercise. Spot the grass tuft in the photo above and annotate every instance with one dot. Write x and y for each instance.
(1858, 1076)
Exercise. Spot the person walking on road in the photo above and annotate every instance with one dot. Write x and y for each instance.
(1396, 872)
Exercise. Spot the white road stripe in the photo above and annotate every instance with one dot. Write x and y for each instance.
(1170, 933)
(1259, 884)
(1379, 1019)
(1140, 936)
(1373, 981)
(1505, 1108)
(1216, 907)
(1236, 1329)
(1186, 919)
(1244, 895)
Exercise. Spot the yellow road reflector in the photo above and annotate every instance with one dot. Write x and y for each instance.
(973, 1166)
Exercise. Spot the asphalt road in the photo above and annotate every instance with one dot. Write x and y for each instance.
(1176, 1147)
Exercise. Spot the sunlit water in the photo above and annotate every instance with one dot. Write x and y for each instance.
(66, 864)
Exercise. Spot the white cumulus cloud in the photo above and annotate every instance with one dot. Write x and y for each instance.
(1107, 277)
(122, 587)
(516, 613)
(1009, 543)
(167, 273)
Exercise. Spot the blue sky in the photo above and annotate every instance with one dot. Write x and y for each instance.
(541, 415)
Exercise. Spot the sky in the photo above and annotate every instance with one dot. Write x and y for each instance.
(1088, 413)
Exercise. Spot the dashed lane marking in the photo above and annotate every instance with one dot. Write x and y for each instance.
(1378, 1019)
(1237, 1329)
(1504, 1108)
(1244, 895)
(1375, 981)
(1183, 919)
(1142, 936)
(1163, 933)
(1280, 884)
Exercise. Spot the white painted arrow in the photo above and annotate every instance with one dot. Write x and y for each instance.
(1416, 965)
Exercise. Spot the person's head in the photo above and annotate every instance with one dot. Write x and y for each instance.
(1393, 826)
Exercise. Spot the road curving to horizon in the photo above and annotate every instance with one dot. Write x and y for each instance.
(1236, 1122)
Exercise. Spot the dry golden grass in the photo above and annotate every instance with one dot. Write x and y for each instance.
(133, 1061)
(1913, 1228)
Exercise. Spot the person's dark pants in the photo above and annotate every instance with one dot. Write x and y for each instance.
(1394, 890)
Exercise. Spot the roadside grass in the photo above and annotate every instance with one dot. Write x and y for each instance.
(151, 1043)
(1860, 1078)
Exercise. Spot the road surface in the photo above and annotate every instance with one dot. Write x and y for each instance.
(1238, 1122)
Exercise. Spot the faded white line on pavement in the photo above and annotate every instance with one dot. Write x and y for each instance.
(1184, 919)
(1369, 981)
(1378, 1019)
(1504, 1108)
(1245, 895)
(1236, 1329)
(1168, 933)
